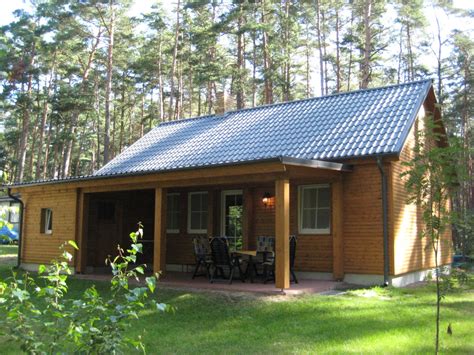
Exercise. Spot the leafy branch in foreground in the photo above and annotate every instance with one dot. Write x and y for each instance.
(430, 179)
(40, 317)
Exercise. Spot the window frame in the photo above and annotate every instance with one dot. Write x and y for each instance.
(45, 221)
(318, 231)
(178, 212)
(15, 213)
(189, 229)
(224, 194)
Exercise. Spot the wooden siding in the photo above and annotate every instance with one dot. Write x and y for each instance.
(362, 220)
(38, 247)
(363, 228)
(411, 252)
(362, 235)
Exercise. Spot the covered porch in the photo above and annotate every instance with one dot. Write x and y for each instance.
(177, 206)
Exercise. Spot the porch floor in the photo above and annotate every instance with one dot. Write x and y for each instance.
(182, 280)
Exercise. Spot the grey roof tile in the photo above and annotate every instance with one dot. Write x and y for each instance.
(347, 125)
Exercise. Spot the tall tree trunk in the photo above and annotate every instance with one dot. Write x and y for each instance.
(160, 80)
(338, 53)
(286, 67)
(400, 55)
(325, 56)
(411, 66)
(367, 48)
(76, 112)
(308, 58)
(173, 65)
(25, 125)
(240, 60)
(267, 63)
(320, 46)
(44, 118)
(351, 48)
(44, 173)
(254, 69)
(108, 88)
(34, 133)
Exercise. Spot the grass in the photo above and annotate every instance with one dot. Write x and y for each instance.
(364, 321)
(8, 251)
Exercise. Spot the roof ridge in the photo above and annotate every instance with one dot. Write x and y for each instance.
(167, 123)
(187, 119)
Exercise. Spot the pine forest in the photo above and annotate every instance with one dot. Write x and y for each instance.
(81, 80)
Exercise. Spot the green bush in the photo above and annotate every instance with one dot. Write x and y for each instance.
(41, 319)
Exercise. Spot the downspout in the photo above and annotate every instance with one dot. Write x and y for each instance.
(386, 261)
(20, 227)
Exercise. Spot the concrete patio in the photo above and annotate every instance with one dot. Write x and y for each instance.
(183, 280)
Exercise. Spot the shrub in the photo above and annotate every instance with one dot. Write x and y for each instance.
(42, 320)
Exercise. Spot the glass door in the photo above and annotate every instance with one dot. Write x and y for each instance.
(232, 213)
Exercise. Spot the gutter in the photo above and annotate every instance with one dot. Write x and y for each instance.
(386, 261)
(20, 227)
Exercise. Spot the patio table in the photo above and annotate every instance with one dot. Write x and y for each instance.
(251, 268)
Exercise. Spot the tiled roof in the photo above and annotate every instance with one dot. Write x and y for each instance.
(329, 128)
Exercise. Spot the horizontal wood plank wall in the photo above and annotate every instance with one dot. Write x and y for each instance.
(411, 252)
(38, 247)
(363, 227)
(179, 245)
(314, 252)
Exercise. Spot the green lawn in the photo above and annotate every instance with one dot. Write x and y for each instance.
(365, 321)
(8, 251)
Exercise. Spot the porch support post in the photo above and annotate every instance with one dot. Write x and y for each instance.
(159, 245)
(282, 233)
(337, 229)
(81, 230)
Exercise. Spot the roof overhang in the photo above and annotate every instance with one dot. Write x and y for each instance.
(317, 164)
(278, 162)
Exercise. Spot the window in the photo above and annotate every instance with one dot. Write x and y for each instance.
(46, 221)
(106, 211)
(314, 209)
(172, 213)
(197, 212)
(232, 217)
(14, 215)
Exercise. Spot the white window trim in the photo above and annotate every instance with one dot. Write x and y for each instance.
(197, 231)
(47, 217)
(173, 231)
(301, 230)
(223, 196)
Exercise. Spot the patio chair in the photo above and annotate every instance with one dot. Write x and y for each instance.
(269, 266)
(265, 250)
(202, 254)
(223, 262)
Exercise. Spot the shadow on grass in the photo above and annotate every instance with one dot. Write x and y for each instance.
(393, 321)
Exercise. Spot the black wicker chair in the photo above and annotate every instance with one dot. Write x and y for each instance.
(202, 253)
(269, 265)
(224, 264)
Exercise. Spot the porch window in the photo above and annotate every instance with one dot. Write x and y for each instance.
(46, 221)
(314, 213)
(172, 213)
(197, 212)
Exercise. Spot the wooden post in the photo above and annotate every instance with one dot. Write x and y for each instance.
(337, 230)
(282, 233)
(81, 230)
(159, 245)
